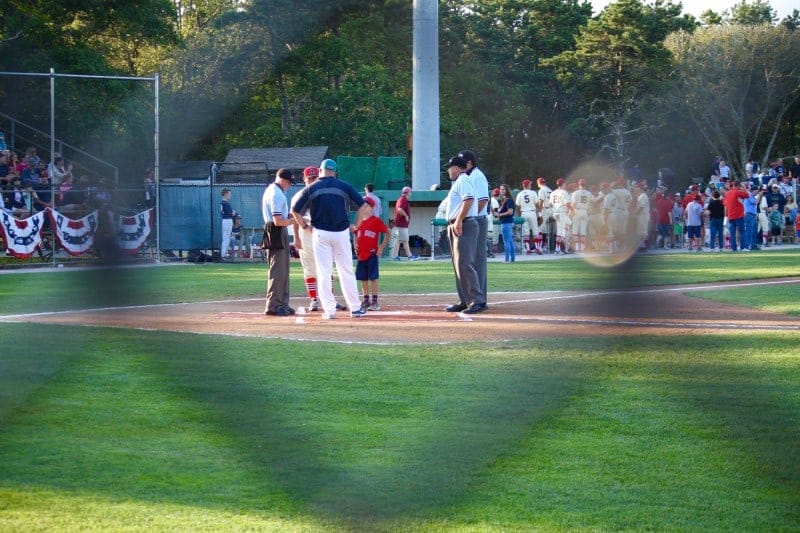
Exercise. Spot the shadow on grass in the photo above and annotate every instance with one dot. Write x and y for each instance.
(27, 366)
(382, 440)
(758, 415)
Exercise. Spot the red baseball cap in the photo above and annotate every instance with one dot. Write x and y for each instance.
(560, 181)
(525, 183)
(309, 172)
(541, 180)
(370, 201)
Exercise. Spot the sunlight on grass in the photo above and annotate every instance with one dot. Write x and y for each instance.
(47, 510)
(783, 299)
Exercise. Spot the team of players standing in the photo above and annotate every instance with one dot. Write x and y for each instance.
(577, 219)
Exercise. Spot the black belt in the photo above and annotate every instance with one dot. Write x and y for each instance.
(453, 221)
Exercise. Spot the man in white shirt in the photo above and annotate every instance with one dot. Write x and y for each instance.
(480, 186)
(462, 230)
(275, 210)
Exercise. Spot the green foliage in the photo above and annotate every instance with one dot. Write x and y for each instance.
(619, 61)
(84, 37)
(736, 86)
(751, 14)
(533, 86)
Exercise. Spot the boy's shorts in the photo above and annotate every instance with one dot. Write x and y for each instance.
(694, 232)
(367, 269)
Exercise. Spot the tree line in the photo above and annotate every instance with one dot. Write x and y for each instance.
(535, 87)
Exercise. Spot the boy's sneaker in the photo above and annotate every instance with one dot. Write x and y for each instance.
(375, 306)
(358, 313)
(340, 307)
(313, 305)
(414, 258)
(397, 258)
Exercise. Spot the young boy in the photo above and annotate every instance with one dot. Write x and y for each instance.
(369, 244)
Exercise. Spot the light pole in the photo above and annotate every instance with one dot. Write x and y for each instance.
(425, 154)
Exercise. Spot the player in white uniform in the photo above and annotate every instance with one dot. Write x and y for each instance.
(596, 232)
(581, 202)
(526, 201)
(642, 213)
(560, 200)
(611, 217)
(618, 225)
(545, 210)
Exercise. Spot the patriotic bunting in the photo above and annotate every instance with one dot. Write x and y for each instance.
(22, 236)
(133, 231)
(76, 236)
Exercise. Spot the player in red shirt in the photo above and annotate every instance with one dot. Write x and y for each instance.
(369, 247)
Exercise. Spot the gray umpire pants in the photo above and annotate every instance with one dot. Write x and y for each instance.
(480, 257)
(463, 253)
(278, 275)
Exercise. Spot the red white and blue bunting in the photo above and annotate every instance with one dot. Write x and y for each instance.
(22, 236)
(76, 236)
(132, 232)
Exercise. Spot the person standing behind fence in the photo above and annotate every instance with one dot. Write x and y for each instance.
(275, 210)
(227, 223)
(402, 219)
(328, 201)
(462, 230)
(369, 191)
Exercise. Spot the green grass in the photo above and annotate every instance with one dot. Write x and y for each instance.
(68, 288)
(783, 299)
(158, 430)
(110, 429)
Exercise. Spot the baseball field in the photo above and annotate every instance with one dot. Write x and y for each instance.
(662, 393)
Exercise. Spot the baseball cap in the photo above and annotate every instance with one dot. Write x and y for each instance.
(525, 183)
(541, 180)
(495, 192)
(328, 164)
(310, 172)
(560, 181)
(456, 161)
(370, 201)
(406, 189)
(468, 155)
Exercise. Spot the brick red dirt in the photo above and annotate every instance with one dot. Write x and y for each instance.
(422, 319)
